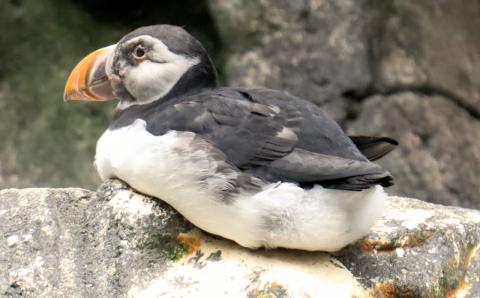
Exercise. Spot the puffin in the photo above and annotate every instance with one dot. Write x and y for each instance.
(257, 166)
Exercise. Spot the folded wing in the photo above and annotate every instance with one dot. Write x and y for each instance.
(277, 140)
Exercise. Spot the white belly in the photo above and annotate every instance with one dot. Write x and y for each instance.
(281, 215)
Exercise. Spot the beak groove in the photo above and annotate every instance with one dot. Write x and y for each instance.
(89, 80)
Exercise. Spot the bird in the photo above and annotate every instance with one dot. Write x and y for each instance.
(258, 166)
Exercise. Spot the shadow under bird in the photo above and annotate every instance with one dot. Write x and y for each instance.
(257, 166)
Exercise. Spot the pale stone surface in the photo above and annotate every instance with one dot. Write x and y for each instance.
(220, 268)
(118, 243)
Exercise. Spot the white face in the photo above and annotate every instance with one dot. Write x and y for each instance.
(149, 69)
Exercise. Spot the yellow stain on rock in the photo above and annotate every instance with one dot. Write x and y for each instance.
(221, 268)
(190, 241)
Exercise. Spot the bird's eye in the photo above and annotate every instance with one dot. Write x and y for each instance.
(139, 53)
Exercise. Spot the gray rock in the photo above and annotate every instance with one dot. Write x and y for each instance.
(419, 250)
(323, 49)
(314, 49)
(75, 243)
(118, 243)
(430, 45)
(439, 156)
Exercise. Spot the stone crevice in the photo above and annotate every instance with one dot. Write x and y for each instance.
(357, 97)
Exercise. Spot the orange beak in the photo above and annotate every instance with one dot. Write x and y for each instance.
(89, 80)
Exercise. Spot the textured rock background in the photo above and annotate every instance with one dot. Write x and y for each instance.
(403, 68)
(117, 243)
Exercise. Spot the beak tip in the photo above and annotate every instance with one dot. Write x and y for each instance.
(65, 96)
(69, 94)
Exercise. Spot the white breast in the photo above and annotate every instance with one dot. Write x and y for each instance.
(166, 166)
(171, 168)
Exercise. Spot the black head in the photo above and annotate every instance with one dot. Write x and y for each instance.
(148, 64)
(160, 61)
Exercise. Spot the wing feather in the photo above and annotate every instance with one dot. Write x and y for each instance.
(374, 147)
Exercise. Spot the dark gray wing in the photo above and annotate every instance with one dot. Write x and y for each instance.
(317, 131)
(374, 147)
(308, 167)
(270, 136)
(250, 134)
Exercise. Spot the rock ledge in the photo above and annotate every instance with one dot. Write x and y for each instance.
(116, 242)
